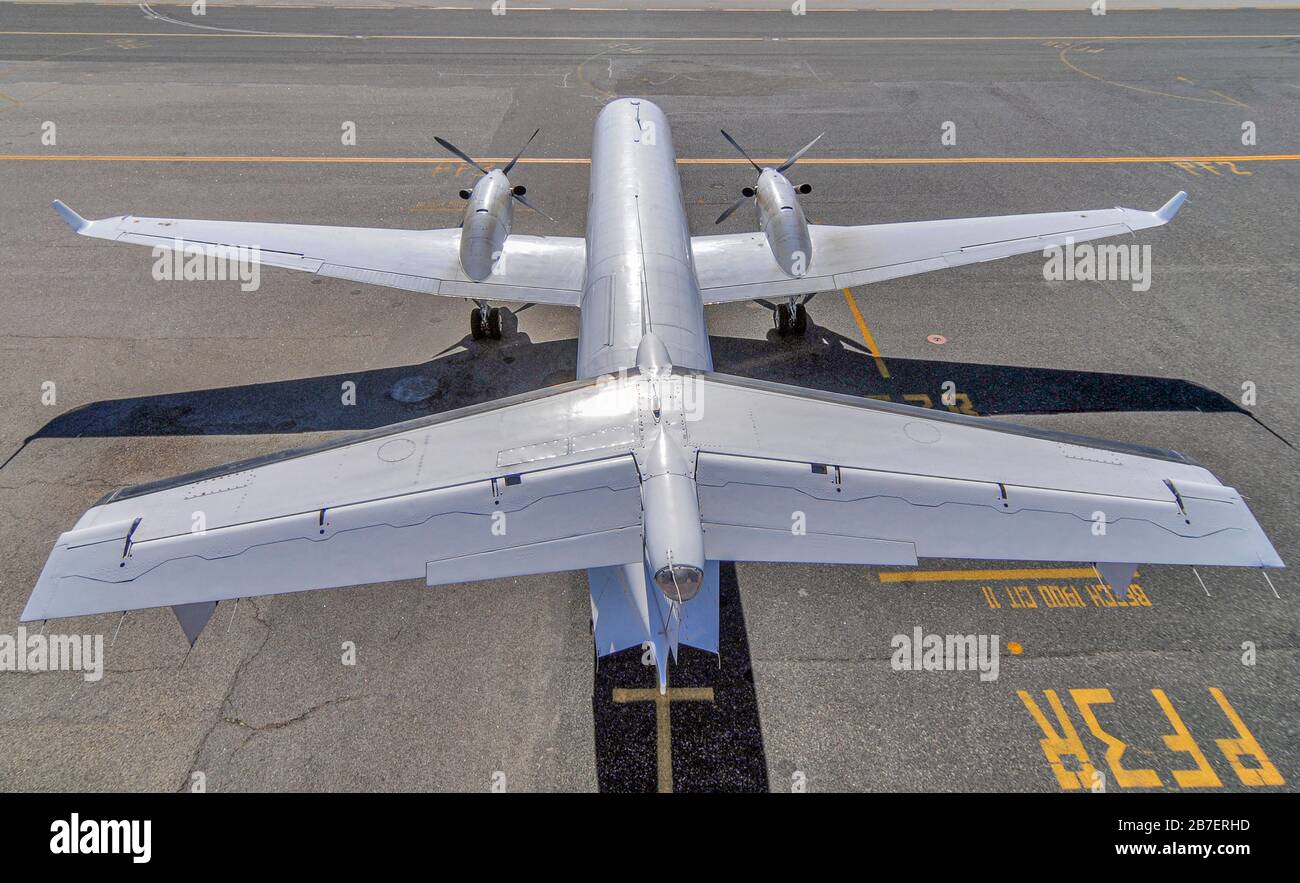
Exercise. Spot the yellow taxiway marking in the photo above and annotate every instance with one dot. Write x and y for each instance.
(719, 161)
(664, 722)
(1222, 99)
(556, 38)
(453, 37)
(990, 38)
(785, 10)
(938, 576)
(774, 10)
(866, 334)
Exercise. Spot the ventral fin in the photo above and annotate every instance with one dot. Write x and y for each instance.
(193, 617)
(1117, 577)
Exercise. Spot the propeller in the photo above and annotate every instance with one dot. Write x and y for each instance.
(748, 192)
(518, 191)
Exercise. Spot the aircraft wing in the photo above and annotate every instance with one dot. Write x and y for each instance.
(740, 266)
(538, 269)
(531, 484)
(787, 474)
(549, 481)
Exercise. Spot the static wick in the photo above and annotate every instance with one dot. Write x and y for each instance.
(1202, 582)
(1270, 584)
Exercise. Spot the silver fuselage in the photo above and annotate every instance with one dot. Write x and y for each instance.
(640, 273)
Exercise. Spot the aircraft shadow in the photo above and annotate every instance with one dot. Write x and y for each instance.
(480, 371)
(709, 739)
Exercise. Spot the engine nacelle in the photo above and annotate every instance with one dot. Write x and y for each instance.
(782, 221)
(488, 215)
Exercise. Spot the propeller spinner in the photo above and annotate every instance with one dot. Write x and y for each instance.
(488, 212)
(780, 216)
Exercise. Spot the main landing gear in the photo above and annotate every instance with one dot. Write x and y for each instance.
(791, 319)
(485, 321)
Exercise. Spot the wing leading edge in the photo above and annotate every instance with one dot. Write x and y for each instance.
(539, 269)
(740, 266)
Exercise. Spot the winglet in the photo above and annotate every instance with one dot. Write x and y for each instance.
(74, 220)
(1167, 211)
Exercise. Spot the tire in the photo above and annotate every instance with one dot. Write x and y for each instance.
(476, 329)
(800, 324)
(494, 324)
(782, 320)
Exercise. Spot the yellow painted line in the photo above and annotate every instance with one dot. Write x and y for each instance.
(942, 576)
(1074, 67)
(718, 161)
(1148, 9)
(663, 722)
(1114, 38)
(193, 35)
(866, 334)
(187, 35)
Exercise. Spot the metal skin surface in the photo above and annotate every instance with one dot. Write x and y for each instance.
(640, 274)
(488, 215)
(641, 304)
(649, 469)
(782, 221)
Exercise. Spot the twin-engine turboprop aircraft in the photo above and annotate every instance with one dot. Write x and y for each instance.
(649, 469)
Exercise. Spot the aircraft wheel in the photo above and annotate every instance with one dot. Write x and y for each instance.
(476, 329)
(799, 326)
(782, 320)
(494, 324)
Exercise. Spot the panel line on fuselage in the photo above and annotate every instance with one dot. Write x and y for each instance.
(640, 270)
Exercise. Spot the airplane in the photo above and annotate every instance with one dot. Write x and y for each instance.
(649, 468)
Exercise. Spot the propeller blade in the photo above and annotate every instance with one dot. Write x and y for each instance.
(453, 149)
(510, 165)
(733, 143)
(794, 159)
(731, 208)
(533, 207)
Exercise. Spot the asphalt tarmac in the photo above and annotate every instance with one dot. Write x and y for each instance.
(239, 114)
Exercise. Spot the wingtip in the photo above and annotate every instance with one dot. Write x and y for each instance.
(71, 218)
(1167, 211)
